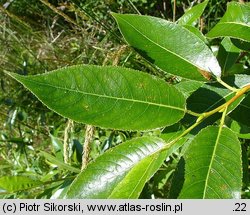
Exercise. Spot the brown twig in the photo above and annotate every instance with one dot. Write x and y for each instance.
(174, 11)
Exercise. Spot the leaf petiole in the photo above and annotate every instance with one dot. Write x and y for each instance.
(226, 85)
(223, 108)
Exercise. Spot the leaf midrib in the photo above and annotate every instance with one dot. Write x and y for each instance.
(235, 23)
(154, 153)
(197, 66)
(212, 161)
(105, 96)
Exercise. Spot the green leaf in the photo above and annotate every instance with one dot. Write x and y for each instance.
(213, 165)
(169, 46)
(238, 68)
(191, 15)
(57, 147)
(187, 87)
(227, 54)
(59, 163)
(177, 180)
(243, 45)
(18, 183)
(241, 130)
(196, 31)
(120, 172)
(111, 97)
(242, 113)
(234, 23)
(211, 96)
(62, 189)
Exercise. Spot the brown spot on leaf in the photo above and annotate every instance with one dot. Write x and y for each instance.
(205, 74)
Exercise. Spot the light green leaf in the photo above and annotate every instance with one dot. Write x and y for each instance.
(240, 129)
(17, 183)
(59, 163)
(213, 165)
(169, 46)
(234, 23)
(187, 87)
(192, 14)
(120, 172)
(111, 97)
(229, 46)
(196, 32)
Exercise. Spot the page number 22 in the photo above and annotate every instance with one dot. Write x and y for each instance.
(240, 207)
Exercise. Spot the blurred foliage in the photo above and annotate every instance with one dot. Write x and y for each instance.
(40, 35)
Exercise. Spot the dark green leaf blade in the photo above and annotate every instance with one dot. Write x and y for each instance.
(227, 55)
(213, 165)
(212, 95)
(234, 23)
(191, 15)
(241, 114)
(110, 97)
(133, 162)
(169, 46)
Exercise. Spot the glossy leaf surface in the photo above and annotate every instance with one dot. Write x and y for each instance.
(169, 46)
(110, 97)
(120, 172)
(234, 23)
(213, 165)
(196, 31)
(17, 183)
(191, 15)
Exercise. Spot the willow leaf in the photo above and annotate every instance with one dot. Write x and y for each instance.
(170, 46)
(122, 171)
(192, 14)
(213, 165)
(110, 97)
(234, 23)
(18, 183)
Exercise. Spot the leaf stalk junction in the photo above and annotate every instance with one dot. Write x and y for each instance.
(201, 117)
